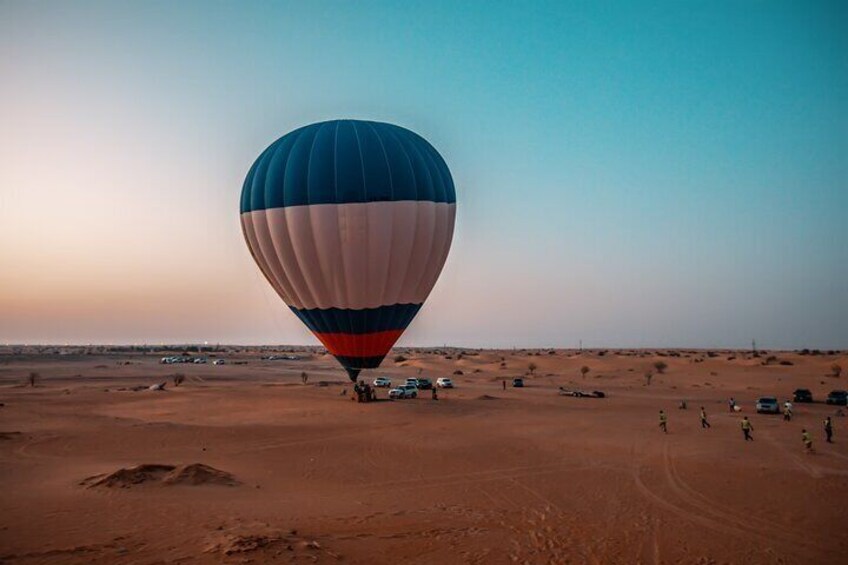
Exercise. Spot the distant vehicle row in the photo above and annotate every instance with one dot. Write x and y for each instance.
(186, 359)
(418, 384)
(837, 397)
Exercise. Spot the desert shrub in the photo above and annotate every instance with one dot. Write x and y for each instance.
(648, 376)
(532, 368)
(178, 379)
(770, 359)
(660, 366)
(457, 372)
(787, 363)
(805, 351)
(503, 365)
(836, 370)
(399, 358)
(304, 377)
(583, 370)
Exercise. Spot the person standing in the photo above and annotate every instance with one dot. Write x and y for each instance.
(787, 412)
(747, 428)
(808, 440)
(731, 404)
(828, 429)
(663, 422)
(704, 422)
(503, 382)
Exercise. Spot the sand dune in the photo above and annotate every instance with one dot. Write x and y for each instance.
(483, 475)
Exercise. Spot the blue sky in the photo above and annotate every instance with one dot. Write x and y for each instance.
(628, 173)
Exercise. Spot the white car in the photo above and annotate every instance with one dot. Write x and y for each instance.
(403, 391)
(219, 362)
(200, 361)
(382, 382)
(444, 382)
(411, 382)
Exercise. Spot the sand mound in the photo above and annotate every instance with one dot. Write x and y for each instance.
(199, 474)
(270, 543)
(192, 475)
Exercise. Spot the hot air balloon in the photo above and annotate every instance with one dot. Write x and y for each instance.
(351, 222)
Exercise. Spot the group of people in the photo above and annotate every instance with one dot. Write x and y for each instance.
(363, 392)
(747, 427)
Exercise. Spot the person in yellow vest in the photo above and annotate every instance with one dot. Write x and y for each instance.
(704, 423)
(747, 428)
(663, 422)
(808, 440)
(828, 429)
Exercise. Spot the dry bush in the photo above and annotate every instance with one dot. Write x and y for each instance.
(304, 377)
(399, 358)
(648, 376)
(836, 370)
(457, 372)
(178, 379)
(583, 370)
(660, 366)
(532, 368)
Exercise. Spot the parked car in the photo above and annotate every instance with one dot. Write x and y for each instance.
(382, 382)
(838, 397)
(444, 382)
(403, 391)
(768, 405)
(802, 395)
(200, 360)
(518, 382)
(219, 362)
(411, 382)
(425, 384)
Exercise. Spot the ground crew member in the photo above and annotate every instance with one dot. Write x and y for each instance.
(828, 429)
(787, 413)
(808, 440)
(704, 423)
(731, 404)
(663, 422)
(747, 428)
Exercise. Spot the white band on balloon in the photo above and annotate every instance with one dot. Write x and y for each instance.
(355, 256)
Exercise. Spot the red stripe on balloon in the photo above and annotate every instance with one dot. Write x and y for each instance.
(374, 344)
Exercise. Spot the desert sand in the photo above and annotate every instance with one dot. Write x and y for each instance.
(245, 463)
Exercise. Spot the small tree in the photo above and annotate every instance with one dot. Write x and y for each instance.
(583, 370)
(532, 368)
(399, 358)
(836, 370)
(178, 379)
(33, 378)
(304, 377)
(660, 366)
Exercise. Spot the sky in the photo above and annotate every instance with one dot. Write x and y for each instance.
(628, 174)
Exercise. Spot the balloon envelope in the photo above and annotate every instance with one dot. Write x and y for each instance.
(351, 222)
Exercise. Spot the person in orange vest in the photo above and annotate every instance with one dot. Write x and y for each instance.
(808, 440)
(747, 428)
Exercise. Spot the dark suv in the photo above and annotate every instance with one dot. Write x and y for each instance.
(802, 395)
(425, 384)
(839, 397)
(518, 382)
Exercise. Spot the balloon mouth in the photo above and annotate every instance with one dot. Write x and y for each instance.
(353, 374)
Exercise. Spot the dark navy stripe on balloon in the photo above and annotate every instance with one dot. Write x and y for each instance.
(345, 161)
(369, 320)
(360, 362)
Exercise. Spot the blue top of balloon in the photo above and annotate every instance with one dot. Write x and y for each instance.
(343, 161)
